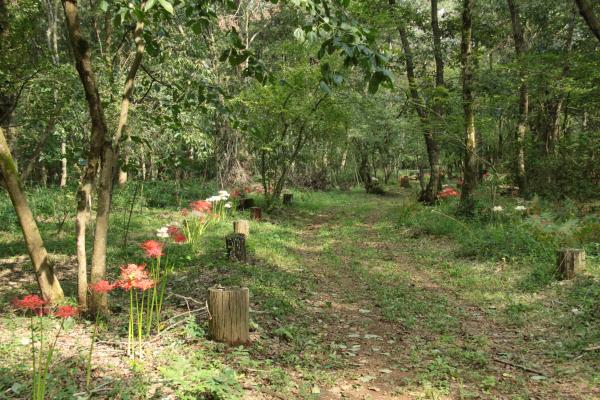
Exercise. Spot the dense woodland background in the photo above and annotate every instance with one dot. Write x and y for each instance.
(195, 116)
(440, 152)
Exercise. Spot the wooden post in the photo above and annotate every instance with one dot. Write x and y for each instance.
(236, 247)
(568, 262)
(245, 204)
(256, 213)
(229, 310)
(241, 226)
(405, 182)
(288, 198)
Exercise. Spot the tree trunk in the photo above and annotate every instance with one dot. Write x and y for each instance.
(83, 64)
(103, 151)
(109, 167)
(47, 280)
(587, 12)
(521, 129)
(229, 315)
(470, 157)
(429, 193)
(63, 164)
(557, 105)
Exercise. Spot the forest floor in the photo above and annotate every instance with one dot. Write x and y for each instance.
(347, 303)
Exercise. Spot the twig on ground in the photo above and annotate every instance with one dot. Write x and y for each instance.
(524, 368)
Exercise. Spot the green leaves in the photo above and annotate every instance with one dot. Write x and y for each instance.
(167, 6)
(103, 5)
(149, 5)
(381, 76)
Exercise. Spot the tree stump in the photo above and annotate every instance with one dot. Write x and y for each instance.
(256, 213)
(229, 310)
(241, 226)
(405, 182)
(245, 204)
(288, 198)
(568, 262)
(236, 246)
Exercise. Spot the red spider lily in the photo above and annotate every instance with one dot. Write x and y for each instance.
(152, 248)
(31, 302)
(143, 284)
(130, 274)
(66, 312)
(102, 286)
(448, 192)
(235, 194)
(179, 238)
(201, 205)
(185, 212)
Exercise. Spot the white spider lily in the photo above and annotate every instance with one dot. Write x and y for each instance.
(214, 199)
(520, 208)
(224, 194)
(162, 232)
(497, 209)
(227, 205)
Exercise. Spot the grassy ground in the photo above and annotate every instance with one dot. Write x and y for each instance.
(352, 296)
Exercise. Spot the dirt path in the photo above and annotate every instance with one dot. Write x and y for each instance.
(385, 359)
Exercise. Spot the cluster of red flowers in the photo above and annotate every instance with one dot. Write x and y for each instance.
(176, 234)
(38, 306)
(133, 276)
(201, 205)
(448, 192)
(152, 248)
(102, 286)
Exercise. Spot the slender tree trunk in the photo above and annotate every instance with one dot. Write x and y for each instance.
(587, 12)
(63, 164)
(109, 165)
(47, 280)
(521, 129)
(470, 155)
(429, 194)
(433, 148)
(83, 64)
(555, 127)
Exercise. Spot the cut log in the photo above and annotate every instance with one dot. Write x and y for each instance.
(288, 198)
(229, 310)
(236, 247)
(241, 226)
(245, 204)
(256, 213)
(568, 262)
(405, 182)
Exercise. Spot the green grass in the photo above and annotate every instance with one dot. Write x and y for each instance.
(451, 294)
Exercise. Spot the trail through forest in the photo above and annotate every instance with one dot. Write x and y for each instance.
(347, 302)
(406, 330)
